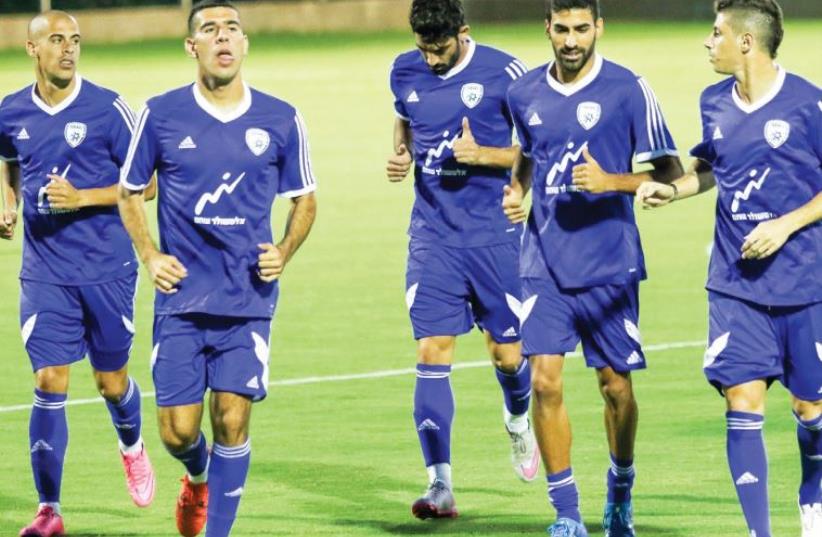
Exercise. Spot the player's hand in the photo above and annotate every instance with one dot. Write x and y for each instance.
(512, 205)
(466, 150)
(652, 194)
(62, 194)
(271, 262)
(166, 272)
(590, 177)
(8, 223)
(399, 164)
(766, 239)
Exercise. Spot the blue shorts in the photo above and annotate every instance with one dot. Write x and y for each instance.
(61, 324)
(448, 289)
(752, 342)
(195, 351)
(605, 318)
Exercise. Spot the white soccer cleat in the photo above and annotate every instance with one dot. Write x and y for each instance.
(811, 516)
(437, 502)
(524, 454)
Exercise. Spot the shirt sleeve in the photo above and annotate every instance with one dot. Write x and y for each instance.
(521, 134)
(705, 149)
(816, 129)
(142, 155)
(296, 174)
(648, 127)
(399, 102)
(7, 150)
(121, 130)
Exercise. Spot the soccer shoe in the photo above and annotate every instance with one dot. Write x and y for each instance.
(524, 454)
(139, 477)
(566, 527)
(437, 502)
(46, 523)
(192, 507)
(811, 515)
(618, 520)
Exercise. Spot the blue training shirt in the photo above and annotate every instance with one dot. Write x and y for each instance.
(456, 204)
(767, 161)
(578, 238)
(217, 176)
(84, 139)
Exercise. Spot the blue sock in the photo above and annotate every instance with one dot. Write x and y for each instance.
(749, 469)
(125, 415)
(48, 438)
(563, 495)
(226, 479)
(434, 412)
(809, 434)
(195, 457)
(516, 388)
(620, 480)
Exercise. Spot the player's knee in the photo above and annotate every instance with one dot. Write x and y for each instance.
(807, 410)
(617, 391)
(111, 385)
(506, 357)
(547, 389)
(435, 350)
(230, 429)
(52, 379)
(178, 439)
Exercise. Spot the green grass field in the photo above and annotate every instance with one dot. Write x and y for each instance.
(341, 457)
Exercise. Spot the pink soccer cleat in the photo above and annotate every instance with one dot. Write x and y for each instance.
(192, 507)
(139, 477)
(47, 523)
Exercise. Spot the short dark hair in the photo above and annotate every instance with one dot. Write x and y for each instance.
(555, 6)
(435, 20)
(764, 15)
(205, 4)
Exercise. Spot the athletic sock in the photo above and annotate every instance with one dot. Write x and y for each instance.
(516, 391)
(195, 459)
(749, 469)
(226, 478)
(809, 435)
(125, 415)
(48, 439)
(563, 494)
(620, 480)
(434, 413)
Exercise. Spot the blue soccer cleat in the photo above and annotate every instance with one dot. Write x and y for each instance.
(566, 527)
(618, 520)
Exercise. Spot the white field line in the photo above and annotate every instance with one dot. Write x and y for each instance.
(369, 375)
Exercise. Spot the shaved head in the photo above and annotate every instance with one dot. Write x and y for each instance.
(42, 24)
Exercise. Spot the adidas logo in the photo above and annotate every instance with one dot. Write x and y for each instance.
(428, 424)
(41, 445)
(717, 134)
(187, 143)
(23, 134)
(124, 426)
(254, 384)
(413, 98)
(234, 493)
(634, 358)
(511, 332)
(535, 120)
(747, 479)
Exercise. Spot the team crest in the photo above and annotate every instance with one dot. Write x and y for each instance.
(257, 141)
(472, 94)
(777, 132)
(588, 114)
(75, 133)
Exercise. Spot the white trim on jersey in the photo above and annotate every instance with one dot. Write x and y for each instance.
(128, 116)
(298, 193)
(216, 113)
(306, 172)
(461, 66)
(132, 148)
(750, 108)
(54, 110)
(655, 126)
(8, 159)
(570, 89)
(402, 117)
(653, 155)
(515, 69)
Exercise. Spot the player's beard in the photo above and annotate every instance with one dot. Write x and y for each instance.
(442, 68)
(572, 67)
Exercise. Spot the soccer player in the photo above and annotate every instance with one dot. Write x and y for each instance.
(222, 151)
(453, 126)
(762, 147)
(64, 140)
(581, 119)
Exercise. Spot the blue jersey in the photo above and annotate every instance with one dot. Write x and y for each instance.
(767, 160)
(582, 239)
(84, 139)
(217, 177)
(456, 204)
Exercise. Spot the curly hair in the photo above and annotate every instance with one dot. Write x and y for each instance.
(435, 20)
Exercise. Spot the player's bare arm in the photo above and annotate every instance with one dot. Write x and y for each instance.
(10, 190)
(399, 164)
(699, 179)
(273, 258)
(467, 151)
(166, 270)
(590, 177)
(769, 236)
(514, 194)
